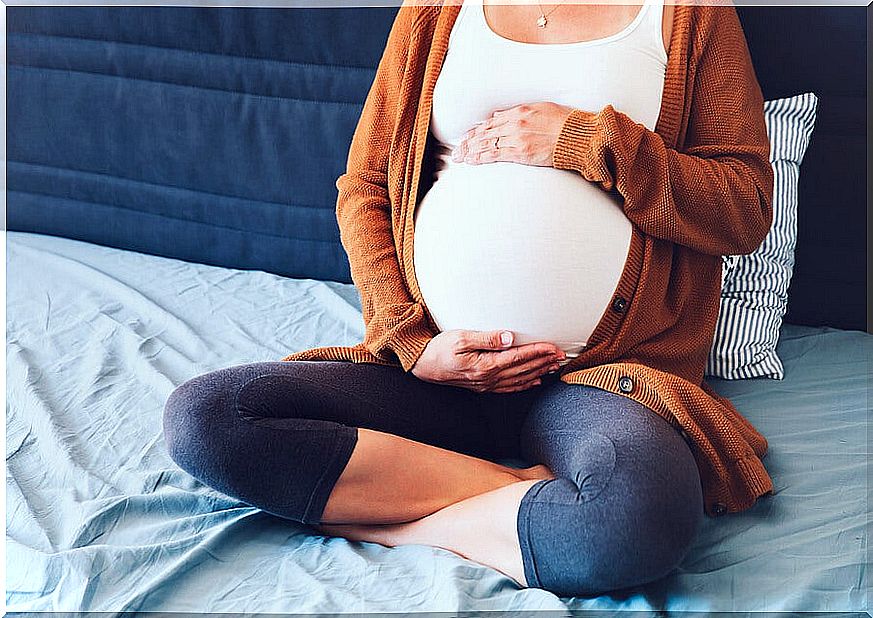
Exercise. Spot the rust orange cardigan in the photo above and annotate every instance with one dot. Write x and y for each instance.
(698, 187)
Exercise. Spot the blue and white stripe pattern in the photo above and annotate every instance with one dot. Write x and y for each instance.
(754, 294)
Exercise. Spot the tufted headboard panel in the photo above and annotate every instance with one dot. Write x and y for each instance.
(210, 135)
(215, 135)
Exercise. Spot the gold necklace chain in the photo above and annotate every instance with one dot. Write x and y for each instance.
(542, 19)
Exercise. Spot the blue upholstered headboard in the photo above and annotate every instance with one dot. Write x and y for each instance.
(216, 134)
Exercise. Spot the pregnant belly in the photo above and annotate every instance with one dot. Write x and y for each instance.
(533, 249)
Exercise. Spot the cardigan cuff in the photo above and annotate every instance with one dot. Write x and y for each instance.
(573, 148)
(399, 330)
(409, 345)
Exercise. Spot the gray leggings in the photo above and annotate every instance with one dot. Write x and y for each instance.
(624, 510)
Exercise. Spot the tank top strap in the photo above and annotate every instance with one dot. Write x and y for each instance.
(460, 21)
(651, 28)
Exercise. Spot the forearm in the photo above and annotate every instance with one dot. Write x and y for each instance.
(714, 193)
(394, 322)
(713, 198)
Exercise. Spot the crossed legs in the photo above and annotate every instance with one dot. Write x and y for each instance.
(371, 453)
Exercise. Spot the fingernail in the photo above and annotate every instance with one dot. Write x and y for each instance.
(505, 337)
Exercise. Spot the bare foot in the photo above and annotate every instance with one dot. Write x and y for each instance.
(482, 528)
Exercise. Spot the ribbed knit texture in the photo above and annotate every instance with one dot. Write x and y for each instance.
(698, 187)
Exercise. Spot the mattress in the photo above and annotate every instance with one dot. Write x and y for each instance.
(99, 518)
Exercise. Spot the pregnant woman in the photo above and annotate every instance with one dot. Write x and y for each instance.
(535, 207)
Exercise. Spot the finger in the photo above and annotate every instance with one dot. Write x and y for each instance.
(526, 372)
(481, 148)
(472, 132)
(517, 355)
(513, 388)
(535, 368)
(478, 140)
(487, 133)
(546, 346)
(506, 151)
(487, 143)
(478, 129)
(512, 110)
(497, 122)
(460, 152)
(489, 150)
(479, 133)
(468, 340)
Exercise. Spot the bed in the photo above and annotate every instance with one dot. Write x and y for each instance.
(135, 261)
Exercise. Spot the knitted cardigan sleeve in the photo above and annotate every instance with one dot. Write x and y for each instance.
(716, 195)
(395, 324)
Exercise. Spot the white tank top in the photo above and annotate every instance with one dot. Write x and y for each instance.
(533, 249)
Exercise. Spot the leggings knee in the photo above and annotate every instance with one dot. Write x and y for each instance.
(573, 547)
(657, 531)
(612, 527)
(195, 416)
(218, 427)
(184, 420)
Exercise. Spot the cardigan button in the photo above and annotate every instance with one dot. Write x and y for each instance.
(719, 509)
(625, 384)
(619, 304)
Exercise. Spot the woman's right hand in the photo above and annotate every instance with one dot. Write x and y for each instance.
(481, 362)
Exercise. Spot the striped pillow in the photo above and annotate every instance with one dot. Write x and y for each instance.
(754, 294)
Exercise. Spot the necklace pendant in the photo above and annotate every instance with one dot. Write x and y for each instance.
(541, 22)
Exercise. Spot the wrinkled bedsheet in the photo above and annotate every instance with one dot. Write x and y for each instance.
(100, 519)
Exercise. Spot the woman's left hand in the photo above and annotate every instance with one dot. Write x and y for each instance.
(525, 133)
